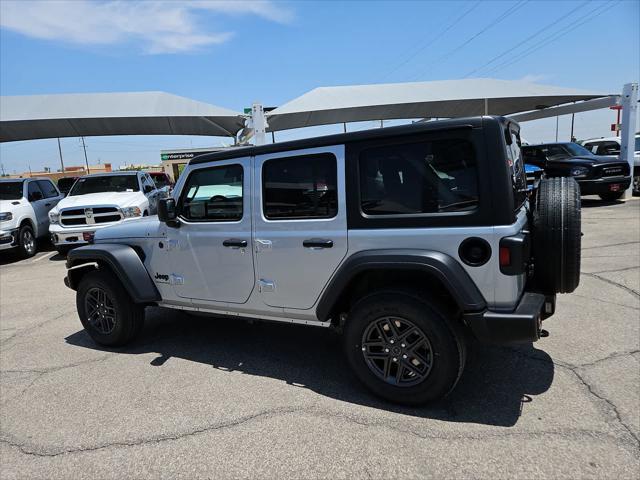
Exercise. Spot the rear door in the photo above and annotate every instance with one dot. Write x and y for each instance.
(39, 203)
(300, 226)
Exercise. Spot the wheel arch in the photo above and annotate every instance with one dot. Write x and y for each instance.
(432, 271)
(125, 263)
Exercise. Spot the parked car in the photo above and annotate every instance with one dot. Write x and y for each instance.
(97, 201)
(597, 175)
(163, 182)
(534, 174)
(65, 184)
(440, 247)
(24, 212)
(610, 147)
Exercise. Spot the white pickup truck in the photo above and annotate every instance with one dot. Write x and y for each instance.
(98, 201)
(24, 207)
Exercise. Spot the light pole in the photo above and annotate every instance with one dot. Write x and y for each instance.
(85, 155)
(61, 161)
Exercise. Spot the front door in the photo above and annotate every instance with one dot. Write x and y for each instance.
(300, 224)
(210, 252)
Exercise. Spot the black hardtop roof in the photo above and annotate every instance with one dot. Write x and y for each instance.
(341, 138)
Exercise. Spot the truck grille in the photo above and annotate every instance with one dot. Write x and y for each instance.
(74, 217)
(614, 170)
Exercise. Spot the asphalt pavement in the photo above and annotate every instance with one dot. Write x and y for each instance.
(200, 397)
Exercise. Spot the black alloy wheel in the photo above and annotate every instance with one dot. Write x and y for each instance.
(101, 313)
(397, 351)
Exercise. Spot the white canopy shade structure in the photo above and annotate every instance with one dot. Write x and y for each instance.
(443, 99)
(139, 113)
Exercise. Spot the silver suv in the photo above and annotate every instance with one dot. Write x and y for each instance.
(409, 240)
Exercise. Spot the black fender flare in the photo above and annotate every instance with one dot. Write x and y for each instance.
(125, 263)
(441, 266)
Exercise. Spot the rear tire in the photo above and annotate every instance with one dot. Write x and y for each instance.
(426, 372)
(611, 196)
(27, 243)
(106, 310)
(557, 236)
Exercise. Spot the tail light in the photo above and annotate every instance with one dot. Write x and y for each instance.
(514, 252)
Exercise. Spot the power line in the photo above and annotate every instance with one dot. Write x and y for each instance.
(434, 39)
(511, 10)
(530, 37)
(553, 37)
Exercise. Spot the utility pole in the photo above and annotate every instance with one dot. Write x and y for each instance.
(61, 161)
(557, 128)
(85, 154)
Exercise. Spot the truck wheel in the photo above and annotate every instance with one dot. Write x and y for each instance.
(556, 235)
(106, 311)
(26, 242)
(402, 348)
(611, 196)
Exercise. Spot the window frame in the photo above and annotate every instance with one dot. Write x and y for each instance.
(185, 191)
(298, 157)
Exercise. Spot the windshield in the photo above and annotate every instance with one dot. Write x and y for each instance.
(107, 183)
(10, 190)
(577, 150)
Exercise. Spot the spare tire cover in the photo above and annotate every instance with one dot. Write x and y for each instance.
(556, 235)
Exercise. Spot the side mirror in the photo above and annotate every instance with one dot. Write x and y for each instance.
(148, 189)
(167, 210)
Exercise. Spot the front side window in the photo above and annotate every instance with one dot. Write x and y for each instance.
(106, 183)
(214, 194)
(47, 188)
(416, 178)
(11, 190)
(300, 187)
(34, 192)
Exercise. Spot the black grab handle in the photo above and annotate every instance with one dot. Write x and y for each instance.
(317, 243)
(235, 242)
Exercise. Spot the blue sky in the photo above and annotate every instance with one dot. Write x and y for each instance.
(232, 53)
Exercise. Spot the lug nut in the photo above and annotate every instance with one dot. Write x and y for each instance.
(391, 341)
(404, 356)
(364, 349)
(386, 350)
(395, 359)
(403, 345)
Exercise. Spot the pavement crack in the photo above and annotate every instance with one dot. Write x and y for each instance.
(624, 269)
(610, 245)
(28, 450)
(605, 301)
(615, 284)
(25, 331)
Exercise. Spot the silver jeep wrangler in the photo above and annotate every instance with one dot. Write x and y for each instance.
(410, 240)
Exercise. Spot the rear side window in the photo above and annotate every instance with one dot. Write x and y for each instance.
(516, 164)
(300, 187)
(214, 194)
(435, 176)
(47, 188)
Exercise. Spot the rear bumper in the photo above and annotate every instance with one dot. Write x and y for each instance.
(522, 325)
(603, 185)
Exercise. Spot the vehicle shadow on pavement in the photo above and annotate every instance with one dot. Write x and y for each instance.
(593, 202)
(496, 382)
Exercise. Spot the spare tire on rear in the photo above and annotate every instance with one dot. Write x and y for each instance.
(556, 235)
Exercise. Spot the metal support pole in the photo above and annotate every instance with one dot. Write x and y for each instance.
(486, 106)
(259, 123)
(573, 115)
(84, 147)
(557, 128)
(629, 102)
(345, 127)
(61, 162)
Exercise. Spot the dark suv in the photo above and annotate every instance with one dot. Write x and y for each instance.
(409, 240)
(596, 175)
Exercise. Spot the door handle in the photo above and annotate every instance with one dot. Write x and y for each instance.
(317, 243)
(235, 243)
(47, 204)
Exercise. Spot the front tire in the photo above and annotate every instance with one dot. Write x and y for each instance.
(27, 244)
(402, 347)
(106, 310)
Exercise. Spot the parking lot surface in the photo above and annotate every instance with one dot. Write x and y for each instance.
(220, 398)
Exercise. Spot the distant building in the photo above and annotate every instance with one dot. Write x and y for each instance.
(68, 172)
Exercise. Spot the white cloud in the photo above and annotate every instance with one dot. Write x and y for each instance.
(534, 77)
(154, 26)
